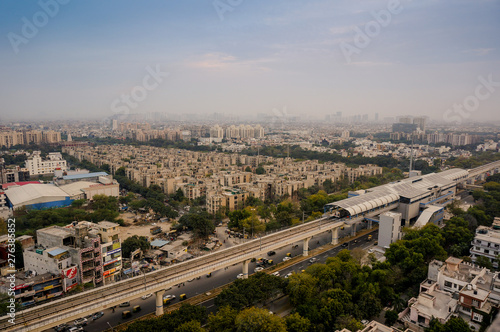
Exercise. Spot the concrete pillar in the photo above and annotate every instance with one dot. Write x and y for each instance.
(305, 247)
(353, 229)
(335, 236)
(370, 224)
(159, 302)
(245, 269)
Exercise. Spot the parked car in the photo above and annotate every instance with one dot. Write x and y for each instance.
(81, 322)
(62, 327)
(286, 258)
(97, 315)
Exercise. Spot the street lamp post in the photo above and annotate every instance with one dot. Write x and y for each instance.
(110, 326)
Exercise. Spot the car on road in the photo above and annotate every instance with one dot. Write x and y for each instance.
(81, 322)
(277, 273)
(240, 276)
(286, 258)
(313, 260)
(125, 304)
(169, 296)
(147, 296)
(258, 269)
(288, 275)
(75, 329)
(345, 244)
(62, 327)
(97, 315)
(189, 280)
(270, 253)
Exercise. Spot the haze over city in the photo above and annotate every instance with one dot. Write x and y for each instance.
(314, 58)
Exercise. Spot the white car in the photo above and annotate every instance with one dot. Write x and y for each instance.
(288, 275)
(81, 321)
(286, 258)
(313, 260)
(169, 296)
(277, 274)
(147, 296)
(258, 269)
(240, 276)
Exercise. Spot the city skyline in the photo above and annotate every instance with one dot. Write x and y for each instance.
(76, 60)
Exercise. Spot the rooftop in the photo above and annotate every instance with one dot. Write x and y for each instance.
(29, 192)
(84, 176)
(441, 302)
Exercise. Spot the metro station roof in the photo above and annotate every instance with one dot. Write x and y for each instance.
(359, 204)
(408, 188)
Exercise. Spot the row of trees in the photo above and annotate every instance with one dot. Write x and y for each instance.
(102, 208)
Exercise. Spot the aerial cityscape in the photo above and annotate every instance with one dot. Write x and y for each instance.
(227, 165)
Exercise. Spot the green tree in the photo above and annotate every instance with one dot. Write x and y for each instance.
(191, 326)
(301, 288)
(391, 316)
(259, 320)
(484, 262)
(260, 170)
(200, 222)
(456, 324)
(297, 323)
(248, 169)
(223, 320)
(134, 242)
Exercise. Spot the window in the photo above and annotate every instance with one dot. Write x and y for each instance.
(447, 284)
(477, 317)
(486, 251)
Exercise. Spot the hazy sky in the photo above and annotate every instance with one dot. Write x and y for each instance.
(88, 59)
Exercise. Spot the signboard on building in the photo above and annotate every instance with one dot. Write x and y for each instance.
(69, 281)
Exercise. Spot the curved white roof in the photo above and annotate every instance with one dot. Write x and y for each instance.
(362, 203)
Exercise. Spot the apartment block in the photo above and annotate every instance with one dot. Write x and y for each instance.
(486, 243)
(37, 166)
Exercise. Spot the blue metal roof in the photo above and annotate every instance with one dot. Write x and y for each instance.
(57, 251)
(84, 176)
(159, 243)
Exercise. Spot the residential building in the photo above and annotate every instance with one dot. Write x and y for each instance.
(37, 166)
(486, 243)
(32, 288)
(83, 244)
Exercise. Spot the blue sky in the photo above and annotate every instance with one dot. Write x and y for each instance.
(255, 56)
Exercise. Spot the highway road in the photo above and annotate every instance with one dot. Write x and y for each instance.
(222, 277)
